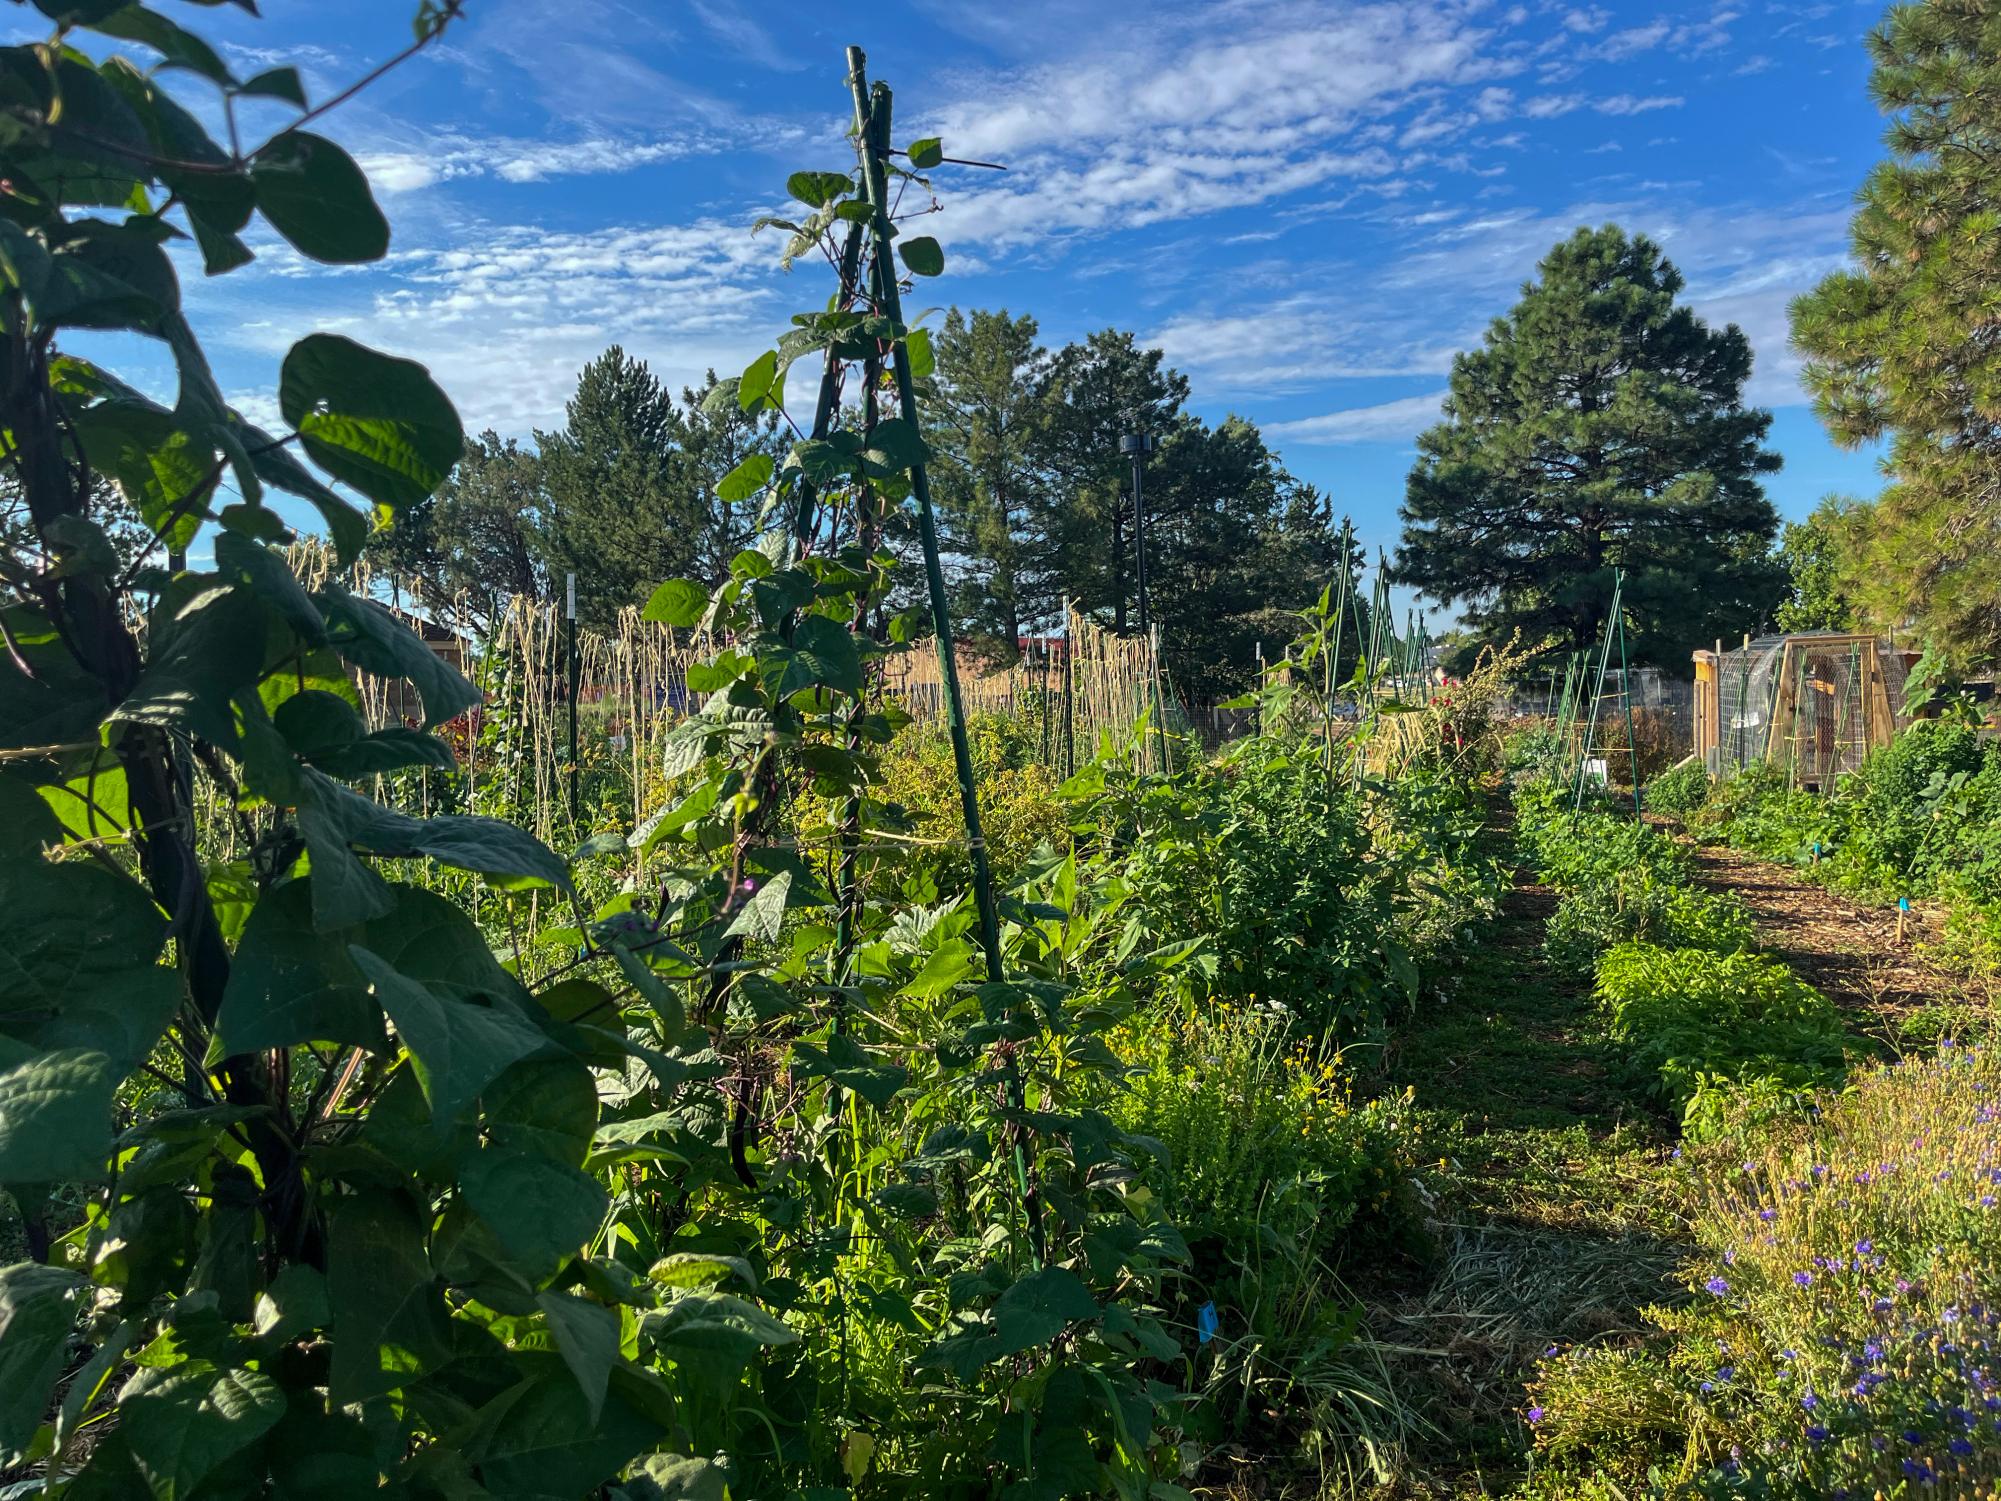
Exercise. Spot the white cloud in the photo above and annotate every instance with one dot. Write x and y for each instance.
(1201, 111)
(449, 158)
(1629, 104)
(1387, 422)
(505, 315)
(1290, 344)
(1630, 42)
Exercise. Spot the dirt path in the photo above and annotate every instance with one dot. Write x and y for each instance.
(1845, 948)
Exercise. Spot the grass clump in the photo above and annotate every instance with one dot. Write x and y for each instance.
(1277, 1175)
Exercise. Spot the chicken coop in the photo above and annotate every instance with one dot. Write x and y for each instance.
(1815, 704)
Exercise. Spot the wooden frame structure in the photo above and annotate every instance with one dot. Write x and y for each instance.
(1815, 703)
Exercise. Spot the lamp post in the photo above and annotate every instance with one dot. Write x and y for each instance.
(1139, 445)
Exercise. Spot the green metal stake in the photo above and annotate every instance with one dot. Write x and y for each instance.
(1591, 723)
(873, 106)
(1626, 680)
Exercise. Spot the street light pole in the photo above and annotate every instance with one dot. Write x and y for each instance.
(1139, 445)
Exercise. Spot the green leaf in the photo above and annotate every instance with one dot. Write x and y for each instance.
(389, 1320)
(384, 751)
(757, 380)
(829, 652)
(536, 1441)
(702, 1323)
(53, 702)
(674, 1477)
(317, 198)
(182, 1422)
(373, 639)
(37, 1310)
(177, 47)
(818, 189)
(586, 1336)
(699, 1269)
(276, 83)
(153, 461)
(744, 481)
(926, 153)
(458, 1045)
(763, 914)
(55, 1114)
(314, 721)
(374, 421)
(678, 602)
(492, 847)
(270, 578)
(543, 1211)
(204, 654)
(923, 358)
(1039, 1307)
(895, 446)
(922, 256)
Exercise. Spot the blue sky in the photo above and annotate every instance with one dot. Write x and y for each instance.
(1308, 206)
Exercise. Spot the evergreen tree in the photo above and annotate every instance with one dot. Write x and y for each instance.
(1601, 425)
(612, 517)
(1080, 523)
(1904, 344)
(474, 543)
(630, 484)
(1816, 556)
(712, 434)
(986, 434)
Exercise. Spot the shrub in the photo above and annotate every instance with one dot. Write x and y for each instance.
(1680, 791)
(1019, 806)
(1685, 1013)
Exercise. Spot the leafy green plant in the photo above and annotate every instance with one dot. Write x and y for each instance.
(1679, 791)
(1279, 1176)
(1638, 905)
(1688, 1013)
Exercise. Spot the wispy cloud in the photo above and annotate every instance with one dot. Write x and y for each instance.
(1386, 422)
(455, 157)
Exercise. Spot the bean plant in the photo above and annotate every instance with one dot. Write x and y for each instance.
(737, 1184)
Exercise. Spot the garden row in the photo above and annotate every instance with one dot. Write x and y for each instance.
(1921, 818)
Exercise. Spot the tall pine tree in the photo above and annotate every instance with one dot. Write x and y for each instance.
(1905, 344)
(1601, 425)
(986, 430)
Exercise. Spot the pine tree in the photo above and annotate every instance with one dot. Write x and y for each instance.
(1601, 425)
(476, 542)
(1905, 344)
(611, 514)
(630, 484)
(986, 434)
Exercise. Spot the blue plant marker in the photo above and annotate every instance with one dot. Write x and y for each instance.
(1205, 1323)
(1903, 904)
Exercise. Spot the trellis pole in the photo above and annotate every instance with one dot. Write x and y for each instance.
(1626, 681)
(873, 109)
(1591, 722)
